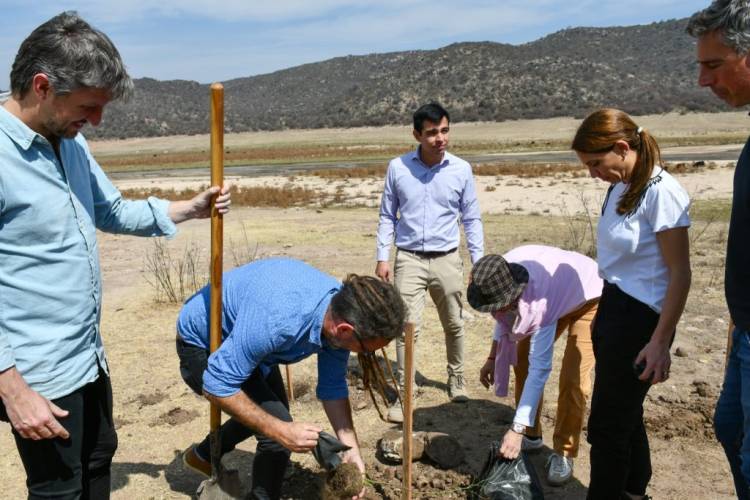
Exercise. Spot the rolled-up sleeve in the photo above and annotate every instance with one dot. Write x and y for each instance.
(6, 352)
(115, 214)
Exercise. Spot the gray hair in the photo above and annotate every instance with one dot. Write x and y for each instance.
(73, 55)
(731, 18)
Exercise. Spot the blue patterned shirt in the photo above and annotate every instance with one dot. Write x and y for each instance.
(50, 281)
(272, 313)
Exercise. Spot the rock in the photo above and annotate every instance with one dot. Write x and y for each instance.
(437, 483)
(444, 450)
(361, 405)
(703, 389)
(681, 352)
(391, 445)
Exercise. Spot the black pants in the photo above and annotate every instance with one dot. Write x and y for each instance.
(77, 467)
(620, 455)
(267, 392)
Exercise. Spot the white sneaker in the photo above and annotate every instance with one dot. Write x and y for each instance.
(559, 469)
(395, 414)
(531, 443)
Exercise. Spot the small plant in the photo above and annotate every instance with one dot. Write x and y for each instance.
(175, 278)
(581, 233)
(240, 252)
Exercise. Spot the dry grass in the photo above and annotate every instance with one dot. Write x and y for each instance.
(250, 196)
(371, 144)
(349, 173)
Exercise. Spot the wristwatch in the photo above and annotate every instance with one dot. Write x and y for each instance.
(518, 428)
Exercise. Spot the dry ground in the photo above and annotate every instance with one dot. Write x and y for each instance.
(157, 415)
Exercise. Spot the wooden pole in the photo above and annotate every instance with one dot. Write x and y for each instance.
(407, 402)
(217, 247)
(289, 385)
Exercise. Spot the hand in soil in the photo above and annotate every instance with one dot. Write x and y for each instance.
(353, 458)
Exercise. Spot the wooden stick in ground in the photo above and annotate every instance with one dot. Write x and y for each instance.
(289, 385)
(217, 247)
(408, 403)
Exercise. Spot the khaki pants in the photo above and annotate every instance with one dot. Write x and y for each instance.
(575, 379)
(443, 277)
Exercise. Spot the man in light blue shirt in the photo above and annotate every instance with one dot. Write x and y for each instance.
(428, 193)
(54, 382)
(280, 311)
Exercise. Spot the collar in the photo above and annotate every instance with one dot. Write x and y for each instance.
(416, 157)
(316, 329)
(18, 131)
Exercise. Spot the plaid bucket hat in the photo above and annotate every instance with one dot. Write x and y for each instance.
(495, 283)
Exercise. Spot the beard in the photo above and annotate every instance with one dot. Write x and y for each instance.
(59, 130)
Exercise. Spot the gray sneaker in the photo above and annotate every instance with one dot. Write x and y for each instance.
(457, 389)
(559, 469)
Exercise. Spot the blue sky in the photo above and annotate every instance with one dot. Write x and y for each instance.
(225, 39)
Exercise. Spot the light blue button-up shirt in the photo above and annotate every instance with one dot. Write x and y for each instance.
(425, 205)
(50, 283)
(272, 313)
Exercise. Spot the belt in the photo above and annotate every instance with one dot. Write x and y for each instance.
(428, 255)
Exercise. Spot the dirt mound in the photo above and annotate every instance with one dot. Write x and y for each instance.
(176, 416)
(444, 450)
(149, 399)
(689, 418)
(427, 481)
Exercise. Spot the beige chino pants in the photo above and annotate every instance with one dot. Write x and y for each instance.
(443, 278)
(575, 379)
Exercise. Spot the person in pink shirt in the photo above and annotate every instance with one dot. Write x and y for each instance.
(535, 293)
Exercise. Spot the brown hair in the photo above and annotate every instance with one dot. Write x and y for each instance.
(598, 133)
(373, 307)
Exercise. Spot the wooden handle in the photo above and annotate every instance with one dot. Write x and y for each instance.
(407, 430)
(217, 228)
(289, 384)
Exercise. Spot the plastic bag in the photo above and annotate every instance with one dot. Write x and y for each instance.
(503, 479)
(326, 452)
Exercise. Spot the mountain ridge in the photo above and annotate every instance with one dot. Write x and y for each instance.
(642, 69)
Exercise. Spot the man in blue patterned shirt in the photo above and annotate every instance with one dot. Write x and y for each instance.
(54, 379)
(280, 311)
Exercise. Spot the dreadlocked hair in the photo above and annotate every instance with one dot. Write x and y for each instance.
(373, 307)
(599, 132)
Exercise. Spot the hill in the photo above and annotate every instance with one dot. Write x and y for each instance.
(641, 69)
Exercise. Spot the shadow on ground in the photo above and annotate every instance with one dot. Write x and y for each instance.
(299, 482)
(474, 425)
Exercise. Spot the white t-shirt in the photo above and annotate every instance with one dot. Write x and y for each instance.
(627, 250)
